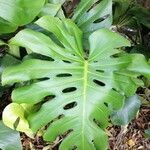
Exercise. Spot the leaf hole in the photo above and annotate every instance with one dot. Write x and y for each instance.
(16, 123)
(55, 119)
(39, 56)
(64, 75)
(95, 61)
(3, 49)
(97, 2)
(70, 89)
(65, 134)
(102, 71)
(99, 82)
(44, 100)
(101, 19)
(114, 56)
(70, 105)
(140, 77)
(61, 116)
(114, 89)
(96, 122)
(23, 52)
(106, 104)
(43, 79)
(74, 147)
(49, 97)
(66, 61)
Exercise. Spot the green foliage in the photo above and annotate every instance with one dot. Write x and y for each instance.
(18, 120)
(143, 16)
(120, 9)
(2, 43)
(50, 9)
(75, 91)
(9, 139)
(147, 133)
(142, 49)
(91, 15)
(18, 13)
(53, 8)
(6, 61)
(128, 112)
(129, 13)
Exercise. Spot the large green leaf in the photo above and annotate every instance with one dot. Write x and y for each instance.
(6, 61)
(9, 139)
(18, 13)
(91, 15)
(83, 88)
(128, 112)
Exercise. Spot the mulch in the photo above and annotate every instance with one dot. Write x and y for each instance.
(131, 137)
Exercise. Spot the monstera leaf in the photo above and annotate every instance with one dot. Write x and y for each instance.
(18, 13)
(91, 15)
(76, 91)
(128, 112)
(53, 8)
(9, 139)
(50, 9)
(5, 61)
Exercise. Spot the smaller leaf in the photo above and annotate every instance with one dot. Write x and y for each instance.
(17, 120)
(143, 16)
(141, 49)
(6, 27)
(50, 9)
(18, 13)
(143, 67)
(147, 133)
(120, 9)
(6, 61)
(91, 15)
(57, 3)
(128, 112)
(9, 139)
(2, 43)
(14, 51)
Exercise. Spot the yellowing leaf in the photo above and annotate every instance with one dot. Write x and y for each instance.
(14, 117)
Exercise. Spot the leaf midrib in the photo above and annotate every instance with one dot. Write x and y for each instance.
(85, 78)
